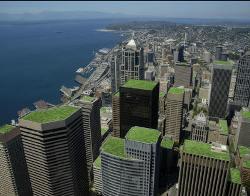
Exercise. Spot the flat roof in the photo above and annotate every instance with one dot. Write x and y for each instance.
(162, 94)
(104, 130)
(114, 146)
(87, 98)
(141, 134)
(50, 115)
(223, 62)
(234, 176)
(246, 114)
(97, 162)
(117, 94)
(105, 109)
(140, 84)
(175, 90)
(223, 127)
(167, 143)
(243, 150)
(204, 149)
(246, 164)
(6, 128)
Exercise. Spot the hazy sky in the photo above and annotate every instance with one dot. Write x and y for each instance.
(206, 9)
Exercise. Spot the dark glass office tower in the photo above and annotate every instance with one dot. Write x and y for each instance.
(139, 100)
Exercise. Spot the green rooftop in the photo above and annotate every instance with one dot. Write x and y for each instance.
(6, 128)
(140, 84)
(105, 109)
(246, 114)
(114, 146)
(167, 143)
(223, 62)
(234, 176)
(97, 162)
(223, 127)
(141, 134)
(243, 150)
(117, 94)
(203, 149)
(162, 94)
(175, 90)
(51, 114)
(87, 98)
(104, 130)
(246, 164)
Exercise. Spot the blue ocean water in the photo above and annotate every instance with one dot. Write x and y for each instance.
(36, 59)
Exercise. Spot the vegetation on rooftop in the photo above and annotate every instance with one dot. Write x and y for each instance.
(246, 164)
(104, 130)
(243, 150)
(234, 176)
(162, 94)
(87, 98)
(6, 128)
(245, 114)
(222, 62)
(105, 109)
(114, 146)
(97, 162)
(223, 127)
(51, 114)
(140, 84)
(204, 149)
(175, 90)
(167, 143)
(141, 134)
(117, 94)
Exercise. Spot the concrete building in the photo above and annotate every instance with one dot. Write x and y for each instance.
(53, 142)
(149, 75)
(13, 168)
(97, 175)
(218, 132)
(218, 99)
(234, 186)
(242, 86)
(132, 66)
(203, 169)
(130, 166)
(173, 112)
(139, 100)
(115, 63)
(200, 128)
(116, 114)
(90, 108)
(183, 75)
(244, 128)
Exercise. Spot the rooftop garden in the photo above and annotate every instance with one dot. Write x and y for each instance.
(51, 114)
(243, 150)
(104, 130)
(140, 84)
(246, 164)
(141, 134)
(117, 94)
(87, 98)
(223, 62)
(114, 146)
(167, 143)
(223, 127)
(204, 149)
(175, 90)
(162, 94)
(6, 128)
(245, 114)
(97, 162)
(234, 176)
(105, 109)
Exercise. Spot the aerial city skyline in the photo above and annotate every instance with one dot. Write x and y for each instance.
(165, 110)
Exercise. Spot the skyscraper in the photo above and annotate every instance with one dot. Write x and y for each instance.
(203, 169)
(53, 142)
(115, 70)
(139, 100)
(218, 53)
(173, 112)
(243, 131)
(183, 75)
(116, 114)
(90, 108)
(13, 168)
(221, 77)
(130, 166)
(181, 53)
(132, 66)
(242, 86)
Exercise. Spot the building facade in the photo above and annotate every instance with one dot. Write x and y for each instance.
(221, 78)
(53, 143)
(139, 102)
(183, 75)
(13, 168)
(244, 128)
(116, 114)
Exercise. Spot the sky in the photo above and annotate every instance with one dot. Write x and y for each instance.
(176, 9)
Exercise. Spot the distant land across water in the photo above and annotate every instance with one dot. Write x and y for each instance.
(36, 59)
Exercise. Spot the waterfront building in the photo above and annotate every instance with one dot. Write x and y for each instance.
(132, 66)
(203, 169)
(90, 108)
(218, 99)
(244, 128)
(53, 141)
(139, 100)
(13, 168)
(130, 166)
(173, 112)
(183, 75)
(242, 86)
(116, 114)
